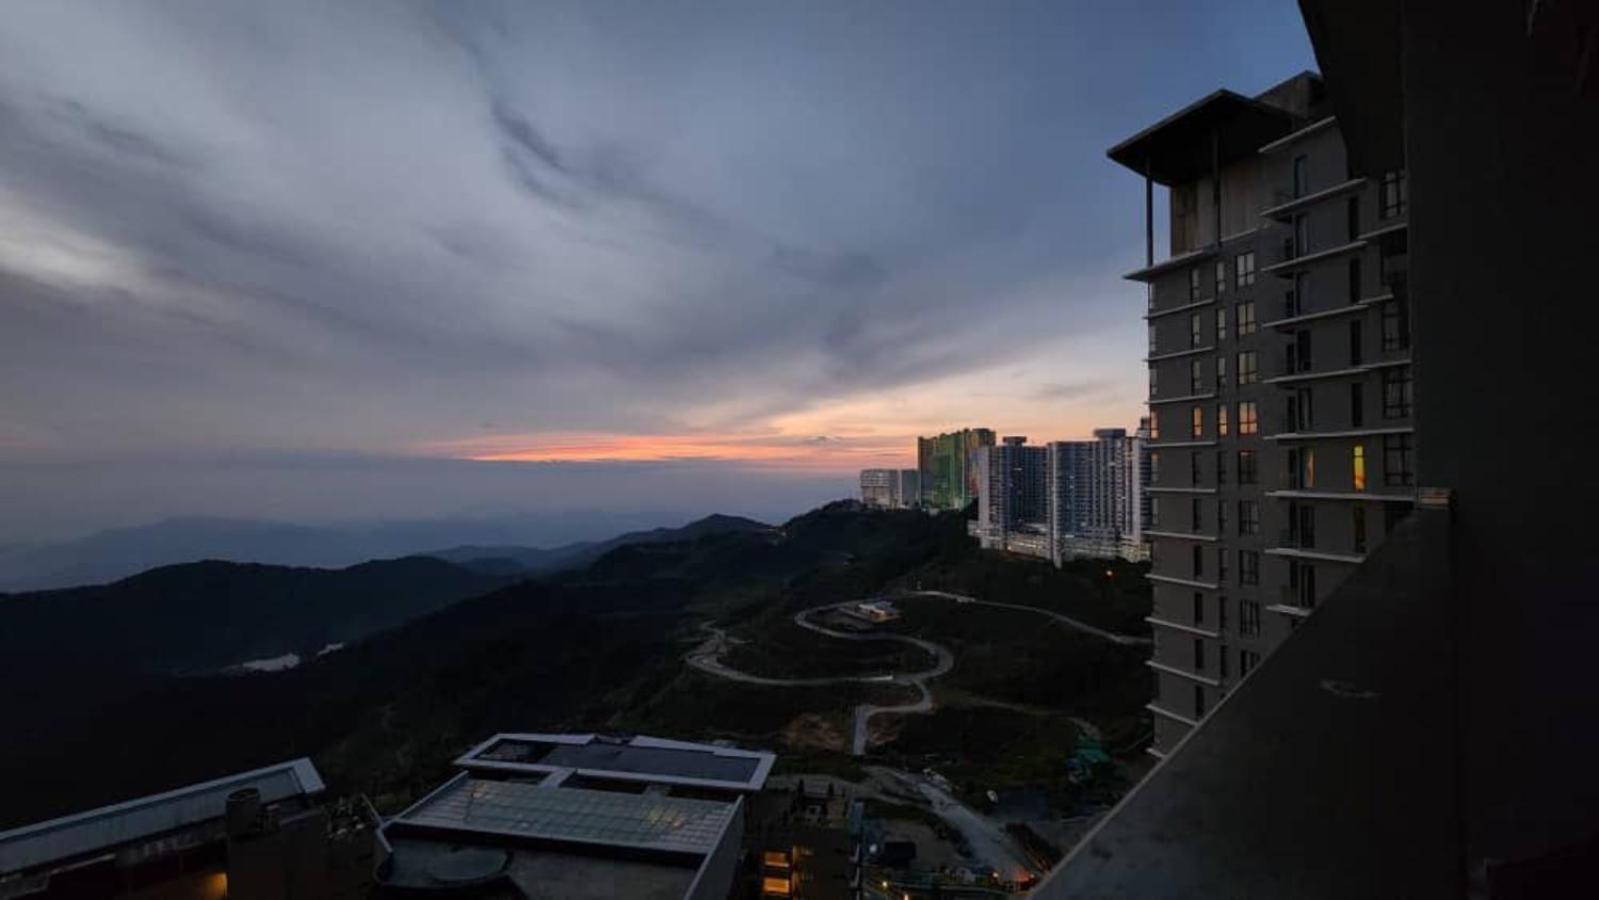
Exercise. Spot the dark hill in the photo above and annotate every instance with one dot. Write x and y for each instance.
(63, 649)
(539, 560)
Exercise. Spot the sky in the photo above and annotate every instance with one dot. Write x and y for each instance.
(318, 261)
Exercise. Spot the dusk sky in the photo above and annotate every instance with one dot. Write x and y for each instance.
(317, 261)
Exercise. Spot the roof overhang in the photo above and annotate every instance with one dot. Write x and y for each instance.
(1357, 44)
(1177, 149)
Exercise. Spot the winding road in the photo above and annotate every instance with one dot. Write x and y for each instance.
(707, 657)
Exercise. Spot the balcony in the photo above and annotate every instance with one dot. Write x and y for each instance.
(1290, 787)
(1290, 261)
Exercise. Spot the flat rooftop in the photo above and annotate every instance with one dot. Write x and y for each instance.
(537, 873)
(108, 827)
(653, 760)
(653, 822)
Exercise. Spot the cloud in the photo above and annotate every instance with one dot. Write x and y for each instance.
(370, 228)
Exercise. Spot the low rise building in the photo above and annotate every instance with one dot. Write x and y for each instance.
(256, 834)
(578, 816)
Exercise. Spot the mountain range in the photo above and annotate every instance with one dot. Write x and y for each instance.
(116, 553)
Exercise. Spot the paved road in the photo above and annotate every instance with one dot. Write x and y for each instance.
(1113, 637)
(707, 657)
(944, 661)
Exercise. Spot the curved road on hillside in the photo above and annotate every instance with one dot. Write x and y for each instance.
(707, 657)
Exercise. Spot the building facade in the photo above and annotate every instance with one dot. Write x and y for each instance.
(891, 488)
(1011, 496)
(947, 474)
(1095, 491)
(1280, 437)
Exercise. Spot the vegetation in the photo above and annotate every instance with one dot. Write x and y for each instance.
(1111, 594)
(593, 649)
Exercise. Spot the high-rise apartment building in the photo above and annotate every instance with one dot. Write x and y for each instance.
(948, 478)
(1281, 447)
(890, 488)
(1095, 493)
(1011, 497)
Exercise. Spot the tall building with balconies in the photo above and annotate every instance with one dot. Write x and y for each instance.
(1280, 439)
(948, 479)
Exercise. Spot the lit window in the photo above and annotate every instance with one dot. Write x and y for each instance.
(1244, 319)
(1221, 420)
(1248, 371)
(1247, 421)
(1359, 458)
(1198, 422)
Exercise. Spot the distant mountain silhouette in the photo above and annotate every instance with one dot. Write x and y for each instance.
(120, 552)
(63, 648)
(538, 560)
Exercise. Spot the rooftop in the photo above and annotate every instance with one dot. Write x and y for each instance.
(647, 759)
(109, 827)
(1177, 149)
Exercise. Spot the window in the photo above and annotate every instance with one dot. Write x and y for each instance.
(1300, 416)
(1396, 387)
(1154, 423)
(1398, 460)
(1392, 194)
(1244, 319)
(1247, 371)
(1154, 381)
(1248, 567)
(1194, 514)
(1198, 422)
(1356, 342)
(1357, 456)
(1248, 517)
(1248, 618)
(1244, 269)
(1358, 526)
(1199, 701)
(1357, 404)
(1193, 285)
(1199, 656)
(1247, 659)
(1154, 463)
(1194, 477)
(1221, 661)
(1221, 517)
(1302, 583)
(1301, 176)
(1221, 371)
(1302, 525)
(1221, 466)
(1354, 279)
(1301, 468)
(1199, 560)
(1247, 423)
(1154, 522)
(1152, 340)
(1247, 473)
(1221, 420)
(1301, 234)
(1221, 276)
(1199, 608)
(1297, 354)
(1196, 376)
(1395, 325)
(1297, 300)
(1195, 335)
(1352, 212)
(1221, 324)
(1221, 563)
(1221, 613)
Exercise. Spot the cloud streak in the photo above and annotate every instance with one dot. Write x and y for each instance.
(368, 228)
